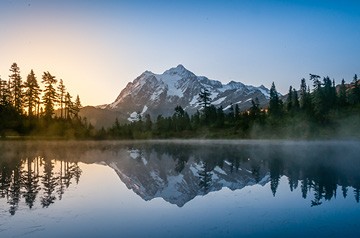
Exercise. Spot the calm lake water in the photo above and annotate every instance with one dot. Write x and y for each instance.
(180, 189)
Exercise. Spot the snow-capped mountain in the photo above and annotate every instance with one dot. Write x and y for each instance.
(153, 174)
(157, 94)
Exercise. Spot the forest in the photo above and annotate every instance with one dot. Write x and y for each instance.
(325, 111)
(28, 110)
(38, 175)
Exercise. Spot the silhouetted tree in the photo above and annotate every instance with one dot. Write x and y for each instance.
(342, 94)
(77, 107)
(354, 92)
(77, 172)
(5, 93)
(305, 99)
(357, 194)
(49, 184)
(254, 111)
(237, 110)
(304, 187)
(50, 96)
(289, 100)
(344, 190)
(205, 177)
(15, 188)
(276, 168)
(148, 122)
(275, 103)
(16, 88)
(180, 119)
(31, 184)
(62, 93)
(204, 98)
(296, 103)
(220, 117)
(5, 179)
(32, 93)
(68, 106)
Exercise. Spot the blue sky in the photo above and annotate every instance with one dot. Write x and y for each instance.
(97, 47)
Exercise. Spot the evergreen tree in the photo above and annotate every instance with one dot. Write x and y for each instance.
(68, 106)
(316, 82)
(181, 120)
(275, 103)
(77, 106)
(32, 93)
(254, 110)
(31, 184)
(148, 122)
(195, 119)
(354, 92)
(289, 100)
(5, 94)
(14, 191)
(296, 104)
(329, 94)
(210, 115)
(204, 101)
(323, 96)
(220, 117)
(16, 88)
(162, 125)
(205, 177)
(204, 98)
(237, 110)
(2, 86)
(50, 96)
(305, 103)
(342, 94)
(231, 114)
(49, 184)
(62, 93)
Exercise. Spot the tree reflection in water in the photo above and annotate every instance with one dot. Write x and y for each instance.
(37, 176)
(29, 174)
(318, 167)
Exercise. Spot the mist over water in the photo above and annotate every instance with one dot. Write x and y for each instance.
(219, 188)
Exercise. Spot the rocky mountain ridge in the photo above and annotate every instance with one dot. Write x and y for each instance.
(159, 94)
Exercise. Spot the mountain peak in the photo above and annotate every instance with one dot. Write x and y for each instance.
(159, 94)
(180, 67)
(179, 70)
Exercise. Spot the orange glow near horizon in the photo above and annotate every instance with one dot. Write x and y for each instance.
(67, 53)
(97, 47)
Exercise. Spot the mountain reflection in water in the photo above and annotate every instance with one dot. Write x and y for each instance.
(179, 171)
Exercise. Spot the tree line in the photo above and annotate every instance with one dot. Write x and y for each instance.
(28, 109)
(33, 178)
(325, 111)
(313, 171)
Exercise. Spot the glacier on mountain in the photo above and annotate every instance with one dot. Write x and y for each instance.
(156, 94)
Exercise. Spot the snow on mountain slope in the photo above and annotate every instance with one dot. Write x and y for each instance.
(159, 178)
(161, 93)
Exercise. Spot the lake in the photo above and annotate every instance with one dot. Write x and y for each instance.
(175, 188)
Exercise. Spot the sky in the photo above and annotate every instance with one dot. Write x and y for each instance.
(97, 47)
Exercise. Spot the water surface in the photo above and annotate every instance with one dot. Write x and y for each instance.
(180, 189)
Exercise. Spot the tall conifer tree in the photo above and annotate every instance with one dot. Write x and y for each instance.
(32, 93)
(275, 103)
(62, 93)
(77, 106)
(16, 88)
(50, 96)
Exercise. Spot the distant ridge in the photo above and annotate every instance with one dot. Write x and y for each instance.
(156, 94)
